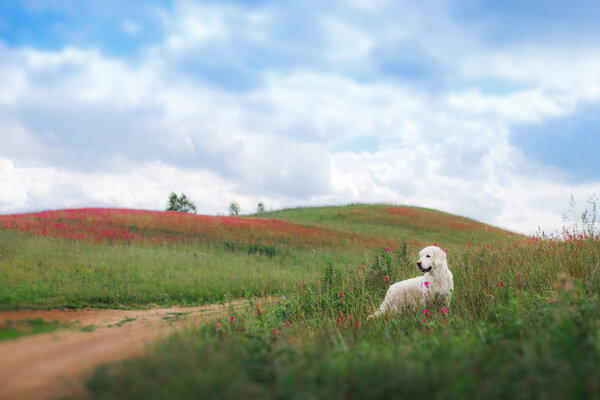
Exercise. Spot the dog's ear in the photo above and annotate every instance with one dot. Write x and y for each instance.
(439, 257)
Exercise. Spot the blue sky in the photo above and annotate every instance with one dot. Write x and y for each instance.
(481, 108)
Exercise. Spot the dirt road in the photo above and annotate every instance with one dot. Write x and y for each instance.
(51, 365)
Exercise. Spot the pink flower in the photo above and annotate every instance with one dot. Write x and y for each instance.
(357, 324)
(435, 244)
(232, 318)
(426, 312)
(387, 278)
(426, 284)
(276, 331)
(501, 284)
(387, 249)
(341, 294)
(469, 243)
(218, 325)
(444, 310)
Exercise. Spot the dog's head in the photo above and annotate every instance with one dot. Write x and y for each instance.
(430, 259)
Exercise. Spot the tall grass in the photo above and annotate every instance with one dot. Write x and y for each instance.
(44, 272)
(523, 323)
(113, 257)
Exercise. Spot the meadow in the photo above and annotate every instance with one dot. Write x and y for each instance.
(524, 320)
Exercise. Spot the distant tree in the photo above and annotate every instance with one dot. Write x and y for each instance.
(234, 209)
(181, 204)
(260, 208)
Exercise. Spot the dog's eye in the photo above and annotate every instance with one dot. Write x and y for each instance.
(428, 255)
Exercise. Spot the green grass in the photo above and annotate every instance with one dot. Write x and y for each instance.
(244, 257)
(415, 224)
(46, 272)
(13, 329)
(523, 323)
(534, 336)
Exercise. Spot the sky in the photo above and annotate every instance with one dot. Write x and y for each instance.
(479, 108)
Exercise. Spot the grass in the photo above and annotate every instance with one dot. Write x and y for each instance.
(13, 329)
(45, 272)
(132, 258)
(415, 224)
(523, 323)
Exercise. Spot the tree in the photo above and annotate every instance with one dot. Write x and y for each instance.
(234, 209)
(260, 207)
(181, 204)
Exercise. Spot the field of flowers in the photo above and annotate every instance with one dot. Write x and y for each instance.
(140, 226)
(523, 323)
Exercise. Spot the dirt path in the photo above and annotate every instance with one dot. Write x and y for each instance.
(51, 365)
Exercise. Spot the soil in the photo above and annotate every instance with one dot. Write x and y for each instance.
(56, 364)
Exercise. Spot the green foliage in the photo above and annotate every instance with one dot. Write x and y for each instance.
(234, 209)
(181, 204)
(260, 208)
(47, 272)
(11, 329)
(519, 327)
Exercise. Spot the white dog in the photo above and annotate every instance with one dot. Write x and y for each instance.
(435, 285)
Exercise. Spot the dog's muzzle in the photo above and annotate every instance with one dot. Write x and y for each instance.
(423, 270)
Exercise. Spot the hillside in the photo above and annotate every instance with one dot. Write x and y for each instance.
(415, 224)
(112, 257)
(352, 226)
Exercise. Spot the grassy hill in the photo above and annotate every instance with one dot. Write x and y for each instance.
(415, 224)
(522, 323)
(117, 257)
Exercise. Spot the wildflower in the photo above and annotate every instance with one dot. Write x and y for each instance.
(387, 278)
(426, 284)
(276, 331)
(446, 250)
(357, 324)
(435, 244)
(341, 294)
(469, 243)
(232, 318)
(501, 284)
(218, 325)
(444, 310)
(387, 249)
(426, 311)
